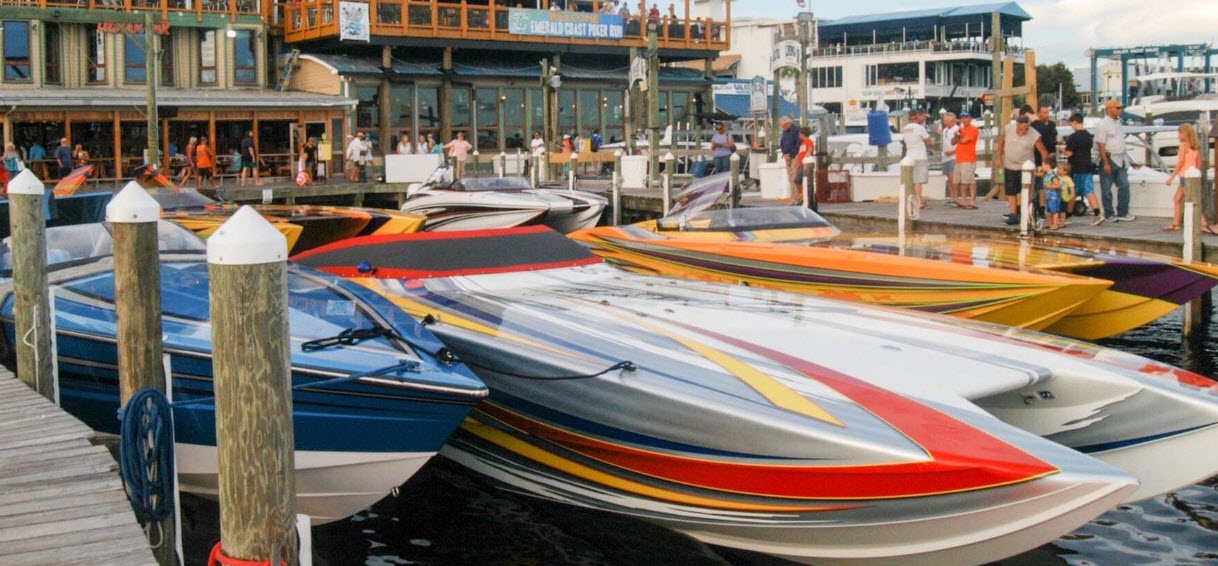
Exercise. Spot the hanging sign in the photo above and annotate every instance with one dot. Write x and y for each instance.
(562, 23)
(353, 21)
(758, 101)
(785, 54)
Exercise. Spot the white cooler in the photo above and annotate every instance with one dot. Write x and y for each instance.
(774, 182)
(634, 171)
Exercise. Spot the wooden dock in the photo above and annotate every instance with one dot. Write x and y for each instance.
(61, 499)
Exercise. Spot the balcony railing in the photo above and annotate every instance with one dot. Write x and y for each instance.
(910, 47)
(317, 19)
(165, 7)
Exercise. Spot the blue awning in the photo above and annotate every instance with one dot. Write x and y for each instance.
(922, 25)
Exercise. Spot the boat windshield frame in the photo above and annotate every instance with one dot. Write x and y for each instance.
(491, 184)
(77, 244)
(745, 220)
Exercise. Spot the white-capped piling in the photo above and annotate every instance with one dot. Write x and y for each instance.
(31, 309)
(247, 266)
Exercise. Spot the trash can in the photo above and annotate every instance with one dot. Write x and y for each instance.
(757, 158)
(634, 171)
(833, 185)
(774, 181)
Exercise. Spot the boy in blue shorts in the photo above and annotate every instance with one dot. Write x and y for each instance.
(1057, 185)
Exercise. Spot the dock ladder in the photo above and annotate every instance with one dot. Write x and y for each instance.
(286, 74)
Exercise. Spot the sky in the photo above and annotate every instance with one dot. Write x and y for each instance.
(1060, 30)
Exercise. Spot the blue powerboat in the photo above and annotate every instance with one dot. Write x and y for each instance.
(355, 440)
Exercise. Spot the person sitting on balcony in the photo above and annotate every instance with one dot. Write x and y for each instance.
(624, 9)
(555, 6)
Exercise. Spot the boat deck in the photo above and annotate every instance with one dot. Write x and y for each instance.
(61, 499)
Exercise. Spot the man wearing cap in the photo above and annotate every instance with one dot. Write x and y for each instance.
(947, 141)
(1113, 166)
(964, 177)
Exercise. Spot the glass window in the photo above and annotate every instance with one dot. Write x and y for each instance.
(613, 116)
(488, 108)
(245, 64)
(566, 110)
(401, 107)
(207, 57)
(871, 75)
(589, 110)
(167, 60)
(512, 100)
(367, 114)
(134, 61)
(429, 108)
(16, 51)
(52, 59)
(680, 106)
(460, 108)
(826, 77)
(897, 72)
(662, 115)
(95, 54)
(536, 109)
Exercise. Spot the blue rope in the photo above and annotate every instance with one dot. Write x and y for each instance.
(146, 455)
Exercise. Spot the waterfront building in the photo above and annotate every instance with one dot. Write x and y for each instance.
(78, 69)
(934, 58)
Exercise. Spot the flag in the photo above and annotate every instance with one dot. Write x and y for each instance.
(1058, 109)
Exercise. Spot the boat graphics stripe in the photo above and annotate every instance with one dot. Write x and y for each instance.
(523, 448)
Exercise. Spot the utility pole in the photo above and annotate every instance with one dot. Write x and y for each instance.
(152, 56)
(805, 40)
(653, 104)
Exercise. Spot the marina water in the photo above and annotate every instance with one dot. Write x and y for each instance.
(448, 516)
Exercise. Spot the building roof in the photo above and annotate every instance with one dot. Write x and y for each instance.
(183, 98)
(721, 65)
(737, 104)
(923, 24)
(348, 65)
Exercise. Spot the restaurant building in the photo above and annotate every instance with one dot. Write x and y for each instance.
(79, 69)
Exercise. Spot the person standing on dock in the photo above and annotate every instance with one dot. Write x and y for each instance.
(722, 147)
(788, 145)
(1016, 146)
(965, 176)
(63, 157)
(917, 139)
(249, 158)
(947, 141)
(1114, 167)
(1043, 124)
(459, 148)
(1082, 169)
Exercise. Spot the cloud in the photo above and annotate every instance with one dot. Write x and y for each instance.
(1063, 30)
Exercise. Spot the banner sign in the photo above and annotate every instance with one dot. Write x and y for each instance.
(561, 23)
(785, 54)
(353, 21)
(758, 101)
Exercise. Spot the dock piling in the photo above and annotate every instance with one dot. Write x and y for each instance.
(502, 164)
(903, 212)
(809, 172)
(477, 164)
(247, 265)
(617, 188)
(571, 173)
(32, 309)
(133, 216)
(734, 186)
(1025, 200)
(670, 166)
(1194, 319)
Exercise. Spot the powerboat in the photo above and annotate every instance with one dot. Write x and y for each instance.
(355, 440)
(1071, 289)
(811, 429)
(788, 248)
(475, 203)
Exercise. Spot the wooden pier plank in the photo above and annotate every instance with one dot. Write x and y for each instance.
(61, 500)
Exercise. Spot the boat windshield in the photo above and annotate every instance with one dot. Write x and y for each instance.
(492, 184)
(749, 220)
(69, 244)
(180, 197)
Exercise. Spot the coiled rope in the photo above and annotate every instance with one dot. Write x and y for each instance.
(146, 455)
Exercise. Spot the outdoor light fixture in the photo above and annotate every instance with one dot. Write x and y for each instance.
(230, 33)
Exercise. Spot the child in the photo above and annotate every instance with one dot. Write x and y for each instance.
(1055, 186)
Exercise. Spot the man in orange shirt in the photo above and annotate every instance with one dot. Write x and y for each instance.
(965, 175)
(205, 160)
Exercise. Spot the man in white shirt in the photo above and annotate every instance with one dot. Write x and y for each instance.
(916, 141)
(351, 158)
(947, 141)
(1113, 166)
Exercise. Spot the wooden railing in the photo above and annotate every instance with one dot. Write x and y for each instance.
(317, 19)
(232, 8)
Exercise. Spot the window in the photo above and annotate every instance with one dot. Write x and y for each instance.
(17, 51)
(135, 65)
(488, 119)
(460, 109)
(166, 56)
(889, 73)
(207, 58)
(95, 54)
(401, 105)
(589, 110)
(872, 80)
(680, 106)
(826, 77)
(245, 64)
(367, 114)
(536, 110)
(662, 116)
(613, 115)
(512, 102)
(566, 111)
(52, 54)
(429, 109)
